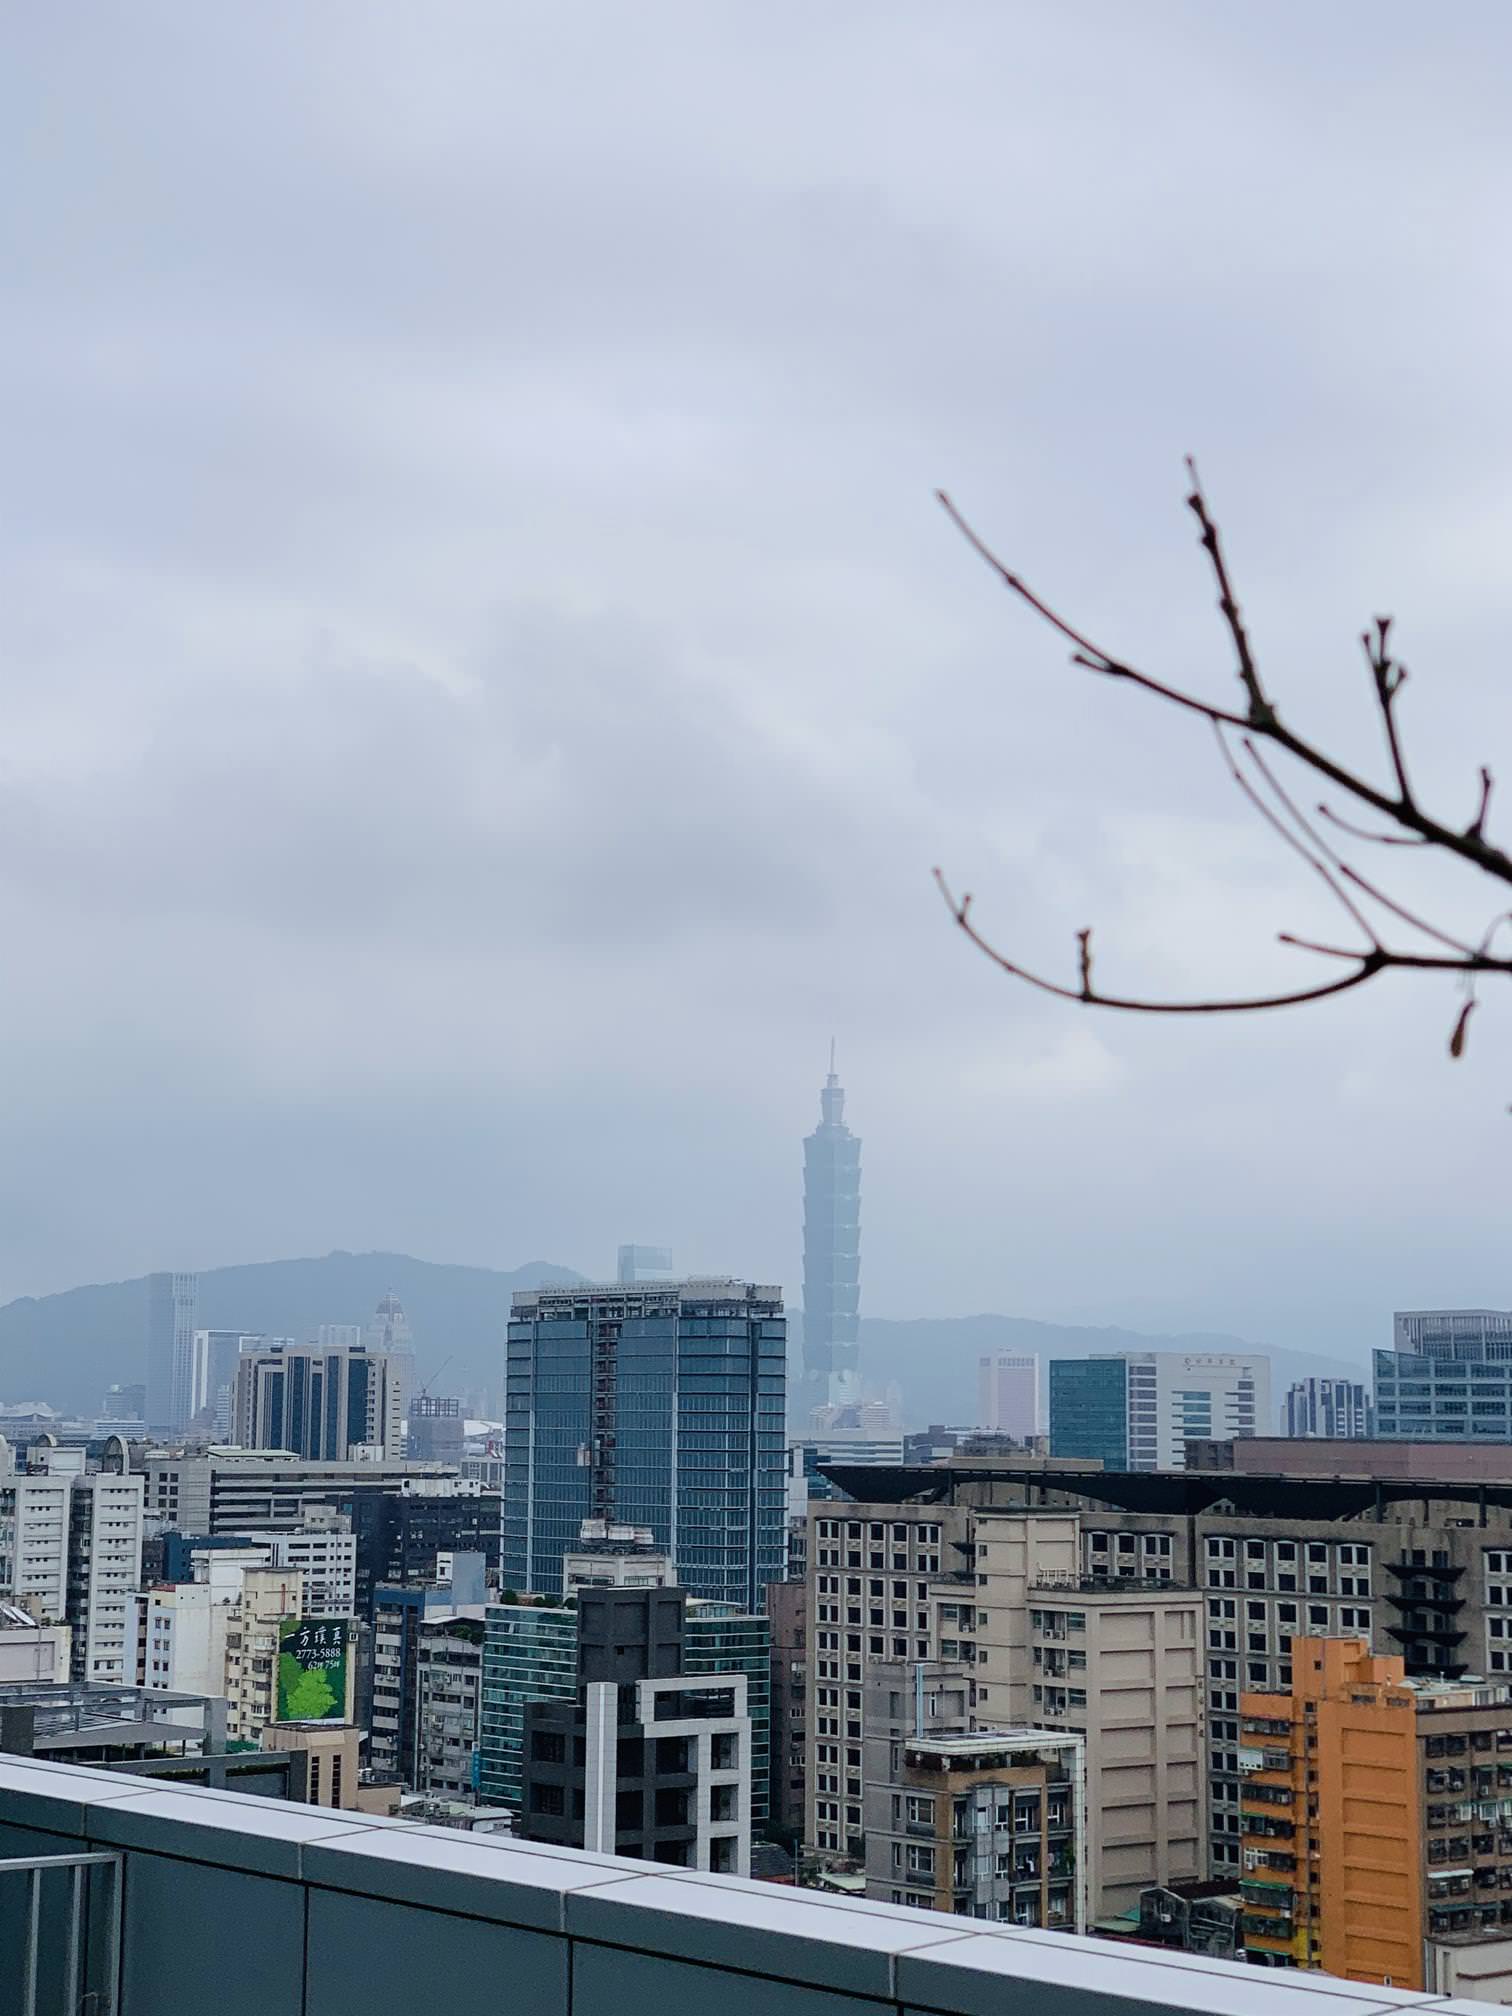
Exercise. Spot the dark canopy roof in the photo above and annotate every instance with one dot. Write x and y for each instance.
(1178, 1491)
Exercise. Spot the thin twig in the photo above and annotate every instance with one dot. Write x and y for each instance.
(1087, 654)
(1350, 874)
(1312, 945)
(1371, 963)
(1314, 861)
(1363, 833)
(1477, 825)
(1389, 679)
(1261, 712)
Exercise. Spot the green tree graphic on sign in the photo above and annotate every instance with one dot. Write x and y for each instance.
(306, 1691)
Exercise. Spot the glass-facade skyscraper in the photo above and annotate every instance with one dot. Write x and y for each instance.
(831, 1259)
(1089, 1410)
(171, 1302)
(656, 1404)
(1447, 1377)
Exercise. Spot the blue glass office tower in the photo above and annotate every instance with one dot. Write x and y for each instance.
(1448, 1376)
(655, 1404)
(1089, 1410)
(831, 1259)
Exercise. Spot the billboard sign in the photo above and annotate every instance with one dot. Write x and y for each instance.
(312, 1669)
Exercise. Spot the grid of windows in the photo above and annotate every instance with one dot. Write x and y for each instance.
(528, 1655)
(863, 1570)
(1262, 1592)
(1456, 1386)
(657, 1406)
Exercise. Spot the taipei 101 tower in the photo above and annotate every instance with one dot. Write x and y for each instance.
(831, 1258)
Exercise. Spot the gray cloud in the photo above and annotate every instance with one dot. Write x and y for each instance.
(485, 683)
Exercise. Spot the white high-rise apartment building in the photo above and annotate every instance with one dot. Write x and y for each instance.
(1332, 1408)
(104, 1568)
(71, 1545)
(1008, 1394)
(326, 1556)
(180, 1634)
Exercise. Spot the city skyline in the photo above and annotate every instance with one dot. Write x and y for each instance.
(522, 517)
(343, 1046)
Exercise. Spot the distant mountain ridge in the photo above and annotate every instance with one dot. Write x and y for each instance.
(67, 1348)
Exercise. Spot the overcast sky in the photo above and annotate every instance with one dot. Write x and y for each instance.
(485, 683)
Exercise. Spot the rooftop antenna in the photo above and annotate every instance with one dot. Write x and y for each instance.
(832, 1057)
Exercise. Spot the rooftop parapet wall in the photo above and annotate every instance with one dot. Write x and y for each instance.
(253, 1907)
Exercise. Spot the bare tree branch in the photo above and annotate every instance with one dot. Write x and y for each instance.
(1315, 861)
(1260, 723)
(1467, 843)
(1368, 965)
(1363, 833)
(1261, 713)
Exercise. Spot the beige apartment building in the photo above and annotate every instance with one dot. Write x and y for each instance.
(1000, 1597)
(333, 1760)
(1119, 1666)
(268, 1595)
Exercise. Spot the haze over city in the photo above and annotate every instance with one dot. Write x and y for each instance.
(487, 682)
(754, 869)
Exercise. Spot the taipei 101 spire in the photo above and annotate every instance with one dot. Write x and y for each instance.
(831, 1257)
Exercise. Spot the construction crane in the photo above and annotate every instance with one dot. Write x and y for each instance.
(425, 1384)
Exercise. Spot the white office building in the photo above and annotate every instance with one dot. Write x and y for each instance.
(326, 1556)
(1175, 1397)
(1008, 1394)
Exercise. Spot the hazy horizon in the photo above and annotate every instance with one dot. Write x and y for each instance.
(487, 681)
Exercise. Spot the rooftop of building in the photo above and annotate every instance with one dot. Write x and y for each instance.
(598, 1536)
(232, 1453)
(91, 1714)
(1179, 1492)
(693, 1287)
(357, 1915)
(1469, 1691)
(991, 1743)
(1110, 1588)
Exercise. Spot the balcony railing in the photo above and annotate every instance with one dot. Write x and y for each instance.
(69, 1946)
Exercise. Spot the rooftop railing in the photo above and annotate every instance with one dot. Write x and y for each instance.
(242, 1906)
